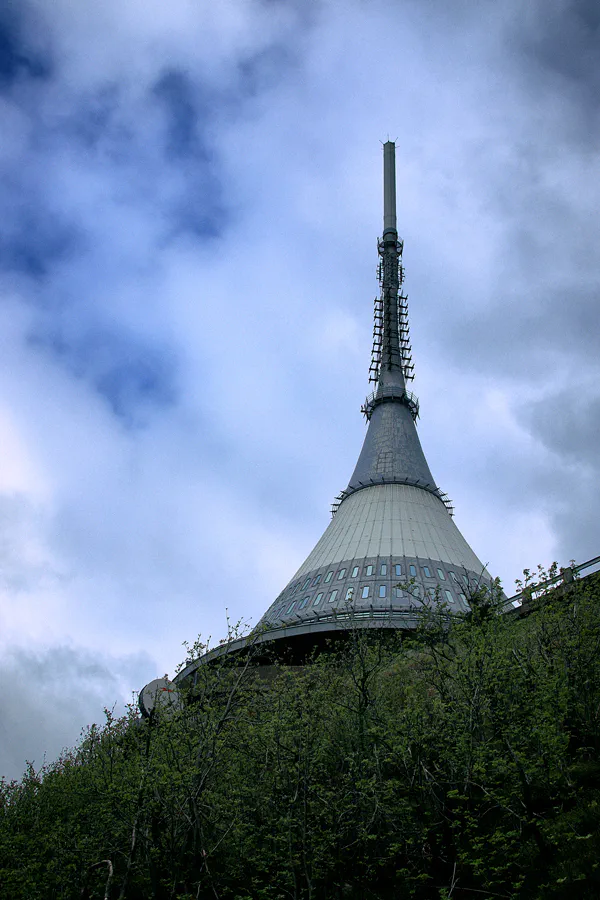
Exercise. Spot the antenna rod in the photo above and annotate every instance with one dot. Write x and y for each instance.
(391, 363)
(389, 189)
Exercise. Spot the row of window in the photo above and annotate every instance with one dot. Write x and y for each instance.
(414, 591)
(370, 570)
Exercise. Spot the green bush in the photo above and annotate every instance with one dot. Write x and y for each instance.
(455, 762)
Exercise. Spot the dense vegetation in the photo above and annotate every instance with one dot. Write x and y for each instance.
(461, 762)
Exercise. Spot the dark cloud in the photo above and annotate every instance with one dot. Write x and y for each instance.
(260, 71)
(50, 696)
(182, 103)
(564, 39)
(568, 423)
(538, 331)
(188, 112)
(145, 381)
(35, 238)
(531, 310)
(20, 58)
(94, 120)
(133, 378)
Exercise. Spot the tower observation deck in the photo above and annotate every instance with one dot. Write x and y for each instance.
(392, 540)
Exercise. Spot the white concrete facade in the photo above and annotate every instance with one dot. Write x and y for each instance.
(392, 520)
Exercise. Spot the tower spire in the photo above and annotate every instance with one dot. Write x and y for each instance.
(391, 362)
(392, 451)
(391, 370)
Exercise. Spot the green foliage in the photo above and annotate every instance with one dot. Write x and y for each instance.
(459, 761)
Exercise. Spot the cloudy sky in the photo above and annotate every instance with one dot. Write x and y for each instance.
(190, 196)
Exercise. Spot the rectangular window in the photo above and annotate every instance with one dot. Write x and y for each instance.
(355, 571)
(290, 607)
(303, 603)
(306, 583)
(296, 586)
(349, 593)
(397, 592)
(341, 574)
(383, 569)
(333, 595)
(430, 593)
(413, 571)
(365, 592)
(453, 576)
(316, 581)
(441, 575)
(318, 599)
(427, 572)
(466, 580)
(398, 570)
(382, 590)
(415, 590)
(449, 597)
(328, 577)
(369, 570)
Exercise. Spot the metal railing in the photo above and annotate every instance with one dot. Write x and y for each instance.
(389, 392)
(565, 576)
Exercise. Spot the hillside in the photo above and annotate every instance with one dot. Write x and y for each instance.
(459, 762)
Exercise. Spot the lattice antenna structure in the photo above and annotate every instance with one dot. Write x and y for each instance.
(392, 351)
(391, 329)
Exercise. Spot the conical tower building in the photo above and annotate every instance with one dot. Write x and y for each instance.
(392, 539)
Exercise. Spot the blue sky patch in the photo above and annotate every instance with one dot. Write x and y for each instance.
(37, 239)
(187, 108)
(133, 377)
(184, 111)
(92, 119)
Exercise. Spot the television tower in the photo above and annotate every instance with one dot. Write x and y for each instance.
(392, 541)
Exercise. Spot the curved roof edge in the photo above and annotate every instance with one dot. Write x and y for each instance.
(342, 623)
